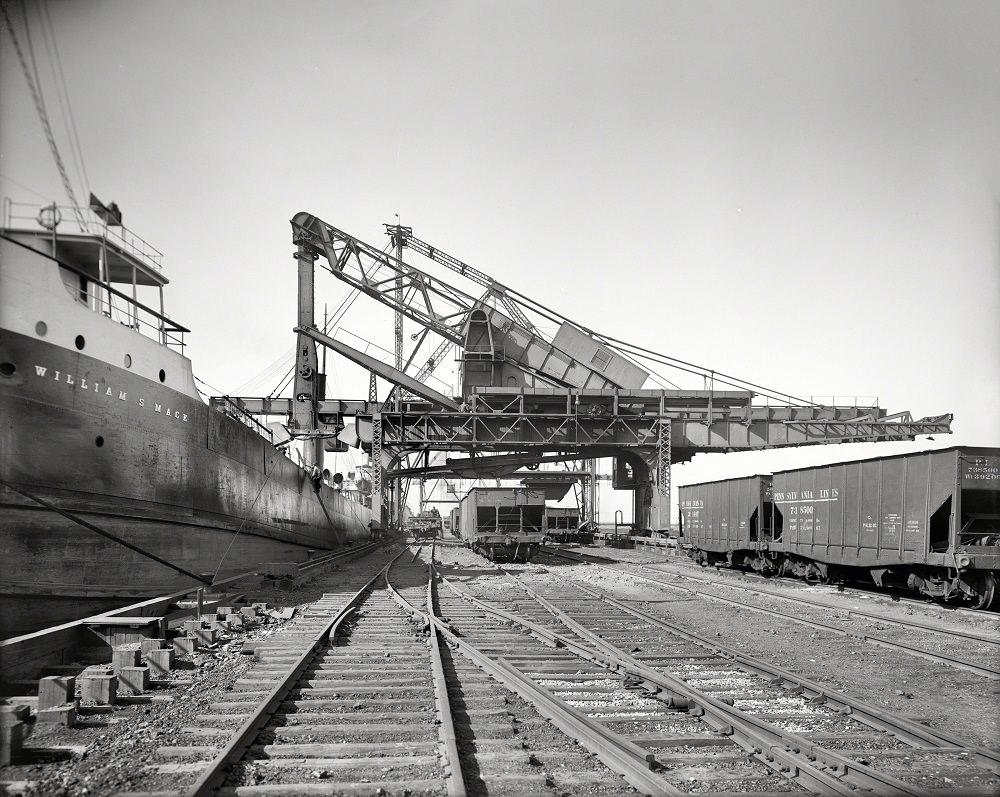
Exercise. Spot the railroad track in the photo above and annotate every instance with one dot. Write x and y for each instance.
(675, 557)
(361, 697)
(961, 649)
(762, 721)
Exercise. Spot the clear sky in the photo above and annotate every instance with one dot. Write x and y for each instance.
(803, 194)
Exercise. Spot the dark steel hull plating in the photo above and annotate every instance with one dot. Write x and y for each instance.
(148, 464)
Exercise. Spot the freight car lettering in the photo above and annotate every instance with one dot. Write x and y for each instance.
(982, 470)
(794, 497)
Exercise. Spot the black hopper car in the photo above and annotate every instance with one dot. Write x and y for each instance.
(927, 522)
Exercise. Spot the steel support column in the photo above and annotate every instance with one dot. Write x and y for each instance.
(377, 498)
(663, 471)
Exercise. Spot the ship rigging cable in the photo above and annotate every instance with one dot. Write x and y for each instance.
(108, 535)
(36, 94)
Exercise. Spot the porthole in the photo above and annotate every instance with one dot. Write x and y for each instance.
(128, 360)
(7, 369)
(99, 441)
(163, 375)
(80, 342)
(41, 329)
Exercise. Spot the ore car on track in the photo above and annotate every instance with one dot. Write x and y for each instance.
(562, 524)
(503, 523)
(928, 521)
(425, 525)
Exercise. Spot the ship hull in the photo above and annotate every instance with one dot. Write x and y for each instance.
(149, 464)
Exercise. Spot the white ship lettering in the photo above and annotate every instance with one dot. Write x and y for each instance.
(70, 380)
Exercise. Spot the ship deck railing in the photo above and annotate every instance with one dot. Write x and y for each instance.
(232, 408)
(76, 220)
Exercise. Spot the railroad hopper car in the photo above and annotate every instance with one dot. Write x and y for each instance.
(928, 521)
(503, 523)
(426, 525)
(562, 524)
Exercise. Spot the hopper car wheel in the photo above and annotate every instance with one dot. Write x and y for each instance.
(985, 590)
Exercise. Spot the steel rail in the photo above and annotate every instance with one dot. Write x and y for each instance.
(911, 624)
(981, 670)
(960, 664)
(775, 748)
(912, 732)
(212, 778)
(839, 773)
(334, 556)
(446, 728)
(768, 744)
(730, 573)
(628, 759)
(759, 737)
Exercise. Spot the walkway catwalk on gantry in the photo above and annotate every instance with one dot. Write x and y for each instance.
(527, 398)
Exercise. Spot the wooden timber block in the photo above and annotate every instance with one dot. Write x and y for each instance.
(222, 611)
(249, 612)
(184, 645)
(125, 657)
(160, 662)
(58, 715)
(280, 569)
(235, 621)
(99, 689)
(152, 643)
(203, 636)
(133, 679)
(14, 712)
(55, 690)
(123, 630)
(11, 741)
(192, 626)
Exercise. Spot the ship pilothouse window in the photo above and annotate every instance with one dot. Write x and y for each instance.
(80, 342)
(41, 329)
